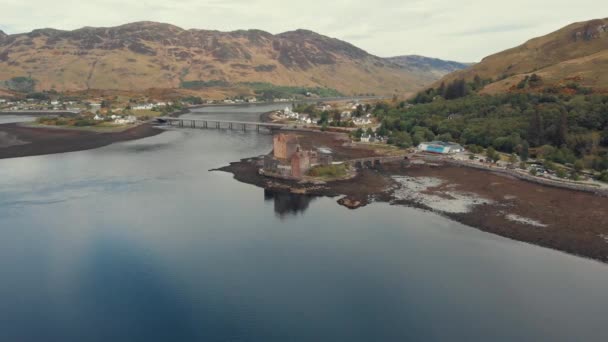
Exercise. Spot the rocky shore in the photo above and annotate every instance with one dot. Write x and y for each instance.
(571, 221)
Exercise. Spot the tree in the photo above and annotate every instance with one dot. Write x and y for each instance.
(603, 177)
(358, 133)
(492, 154)
(402, 139)
(456, 89)
(337, 116)
(358, 111)
(524, 151)
(324, 118)
(562, 132)
(536, 128)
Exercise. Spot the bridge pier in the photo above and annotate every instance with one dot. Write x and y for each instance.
(244, 127)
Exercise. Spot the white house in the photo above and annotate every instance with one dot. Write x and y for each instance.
(128, 120)
(146, 106)
(362, 121)
(98, 117)
(304, 118)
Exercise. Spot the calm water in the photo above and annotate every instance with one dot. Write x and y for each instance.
(139, 242)
(7, 118)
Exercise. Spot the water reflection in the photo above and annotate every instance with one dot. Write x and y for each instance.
(130, 288)
(138, 242)
(288, 204)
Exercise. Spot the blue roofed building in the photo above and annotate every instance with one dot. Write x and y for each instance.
(440, 147)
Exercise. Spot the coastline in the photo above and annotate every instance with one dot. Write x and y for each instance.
(571, 221)
(22, 140)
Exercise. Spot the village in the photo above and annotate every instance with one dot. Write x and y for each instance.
(96, 105)
(58, 110)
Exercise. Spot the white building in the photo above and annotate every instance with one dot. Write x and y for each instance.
(127, 120)
(305, 118)
(95, 107)
(146, 106)
(362, 121)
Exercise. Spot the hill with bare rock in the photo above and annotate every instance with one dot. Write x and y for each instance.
(145, 55)
(576, 54)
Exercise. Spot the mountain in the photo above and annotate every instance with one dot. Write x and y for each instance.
(430, 68)
(145, 55)
(576, 53)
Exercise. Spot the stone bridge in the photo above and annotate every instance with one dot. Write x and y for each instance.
(218, 124)
(372, 162)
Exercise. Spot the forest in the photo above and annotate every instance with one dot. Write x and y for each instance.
(556, 127)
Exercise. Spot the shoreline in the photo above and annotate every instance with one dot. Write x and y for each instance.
(570, 221)
(23, 141)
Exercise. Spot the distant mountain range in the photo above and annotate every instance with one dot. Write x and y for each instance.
(145, 55)
(430, 68)
(576, 54)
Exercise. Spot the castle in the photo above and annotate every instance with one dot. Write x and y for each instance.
(290, 160)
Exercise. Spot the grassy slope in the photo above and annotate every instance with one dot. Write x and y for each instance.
(556, 57)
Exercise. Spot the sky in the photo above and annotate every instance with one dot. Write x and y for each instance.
(465, 31)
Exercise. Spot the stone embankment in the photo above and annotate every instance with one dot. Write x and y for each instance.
(518, 174)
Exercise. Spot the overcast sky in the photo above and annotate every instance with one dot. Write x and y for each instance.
(459, 30)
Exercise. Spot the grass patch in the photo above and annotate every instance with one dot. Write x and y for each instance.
(328, 171)
(203, 84)
(79, 123)
(145, 113)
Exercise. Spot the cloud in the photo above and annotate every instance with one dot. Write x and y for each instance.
(465, 31)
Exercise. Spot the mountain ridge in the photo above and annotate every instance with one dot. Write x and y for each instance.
(143, 55)
(433, 68)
